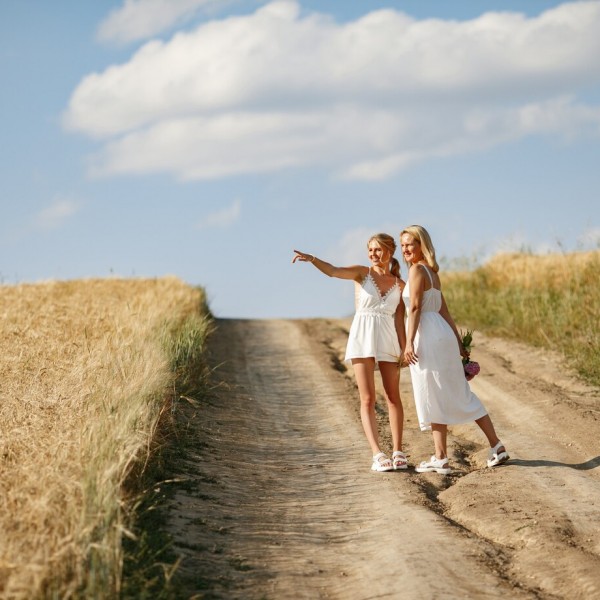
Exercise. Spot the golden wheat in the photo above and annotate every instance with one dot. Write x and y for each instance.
(549, 271)
(550, 301)
(83, 380)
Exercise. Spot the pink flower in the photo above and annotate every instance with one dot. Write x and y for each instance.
(471, 369)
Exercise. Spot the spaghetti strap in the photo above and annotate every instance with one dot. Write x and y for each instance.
(428, 274)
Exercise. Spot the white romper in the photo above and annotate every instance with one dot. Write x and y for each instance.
(441, 392)
(373, 330)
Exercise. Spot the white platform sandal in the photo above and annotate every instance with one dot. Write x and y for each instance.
(434, 465)
(381, 463)
(399, 460)
(497, 458)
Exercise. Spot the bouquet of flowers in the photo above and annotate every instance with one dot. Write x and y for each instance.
(470, 367)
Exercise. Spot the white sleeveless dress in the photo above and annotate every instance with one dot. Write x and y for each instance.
(441, 392)
(373, 330)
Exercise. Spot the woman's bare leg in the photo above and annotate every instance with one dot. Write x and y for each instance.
(364, 371)
(486, 425)
(390, 376)
(440, 436)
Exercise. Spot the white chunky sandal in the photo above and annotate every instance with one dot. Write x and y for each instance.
(437, 465)
(381, 463)
(399, 460)
(495, 457)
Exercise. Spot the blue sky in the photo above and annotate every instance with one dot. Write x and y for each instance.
(208, 138)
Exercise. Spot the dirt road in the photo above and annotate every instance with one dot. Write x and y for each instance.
(280, 501)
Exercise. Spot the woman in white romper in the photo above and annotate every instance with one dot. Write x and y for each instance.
(433, 350)
(375, 339)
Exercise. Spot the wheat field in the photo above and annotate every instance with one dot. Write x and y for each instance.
(88, 369)
(550, 301)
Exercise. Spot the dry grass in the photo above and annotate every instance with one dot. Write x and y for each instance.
(550, 301)
(87, 370)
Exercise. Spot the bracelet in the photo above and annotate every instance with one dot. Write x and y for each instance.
(313, 258)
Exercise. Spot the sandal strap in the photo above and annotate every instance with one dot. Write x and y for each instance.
(435, 462)
(399, 459)
(380, 457)
(499, 445)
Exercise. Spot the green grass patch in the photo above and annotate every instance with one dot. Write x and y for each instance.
(550, 301)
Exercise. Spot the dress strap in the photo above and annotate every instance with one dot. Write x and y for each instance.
(428, 274)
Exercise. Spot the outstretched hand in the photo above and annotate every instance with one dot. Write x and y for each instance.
(302, 257)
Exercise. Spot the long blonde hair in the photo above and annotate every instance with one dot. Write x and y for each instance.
(389, 243)
(420, 234)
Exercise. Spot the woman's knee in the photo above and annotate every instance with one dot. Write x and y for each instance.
(368, 400)
(394, 401)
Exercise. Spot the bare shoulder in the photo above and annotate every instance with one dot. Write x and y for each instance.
(361, 272)
(415, 273)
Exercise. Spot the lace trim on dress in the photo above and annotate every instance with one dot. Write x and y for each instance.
(381, 296)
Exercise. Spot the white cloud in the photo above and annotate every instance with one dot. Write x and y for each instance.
(519, 241)
(590, 239)
(351, 249)
(364, 99)
(141, 19)
(56, 214)
(243, 142)
(478, 129)
(221, 218)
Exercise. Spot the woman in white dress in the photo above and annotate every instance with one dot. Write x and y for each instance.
(433, 350)
(375, 339)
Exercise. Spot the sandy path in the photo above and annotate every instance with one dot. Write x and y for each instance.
(546, 504)
(280, 501)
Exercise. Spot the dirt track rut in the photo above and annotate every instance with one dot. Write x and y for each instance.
(281, 502)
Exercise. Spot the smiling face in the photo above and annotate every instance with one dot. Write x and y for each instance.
(378, 255)
(411, 248)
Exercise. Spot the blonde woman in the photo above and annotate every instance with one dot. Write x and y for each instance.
(375, 339)
(433, 350)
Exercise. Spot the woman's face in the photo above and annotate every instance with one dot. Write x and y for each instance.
(411, 249)
(377, 255)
